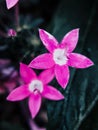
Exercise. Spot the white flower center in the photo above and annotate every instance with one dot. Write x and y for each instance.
(36, 86)
(60, 57)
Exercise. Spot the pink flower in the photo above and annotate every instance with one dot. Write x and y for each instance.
(12, 33)
(35, 88)
(11, 3)
(60, 56)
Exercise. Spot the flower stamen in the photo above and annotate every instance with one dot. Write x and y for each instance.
(36, 86)
(60, 57)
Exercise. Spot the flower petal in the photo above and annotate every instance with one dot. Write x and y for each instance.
(62, 75)
(43, 61)
(48, 40)
(70, 40)
(19, 93)
(47, 75)
(26, 73)
(11, 3)
(34, 104)
(79, 61)
(52, 93)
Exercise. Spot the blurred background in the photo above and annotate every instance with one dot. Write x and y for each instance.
(19, 42)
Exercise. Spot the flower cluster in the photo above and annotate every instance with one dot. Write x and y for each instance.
(56, 64)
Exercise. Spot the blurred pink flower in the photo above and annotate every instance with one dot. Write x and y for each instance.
(60, 56)
(3, 62)
(35, 88)
(12, 33)
(11, 3)
(9, 77)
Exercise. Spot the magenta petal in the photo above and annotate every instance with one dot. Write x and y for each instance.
(26, 73)
(34, 104)
(70, 40)
(47, 75)
(52, 93)
(19, 93)
(43, 61)
(11, 3)
(62, 75)
(48, 40)
(79, 61)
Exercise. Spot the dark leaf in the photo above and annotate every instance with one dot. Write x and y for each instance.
(81, 93)
(7, 126)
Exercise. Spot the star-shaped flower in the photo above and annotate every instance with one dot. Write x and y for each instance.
(11, 3)
(35, 88)
(60, 56)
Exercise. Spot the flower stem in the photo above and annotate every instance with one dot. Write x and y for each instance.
(17, 15)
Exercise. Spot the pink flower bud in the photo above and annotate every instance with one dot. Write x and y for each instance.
(12, 33)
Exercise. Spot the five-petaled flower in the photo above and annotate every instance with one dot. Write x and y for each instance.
(11, 3)
(60, 56)
(35, 88)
